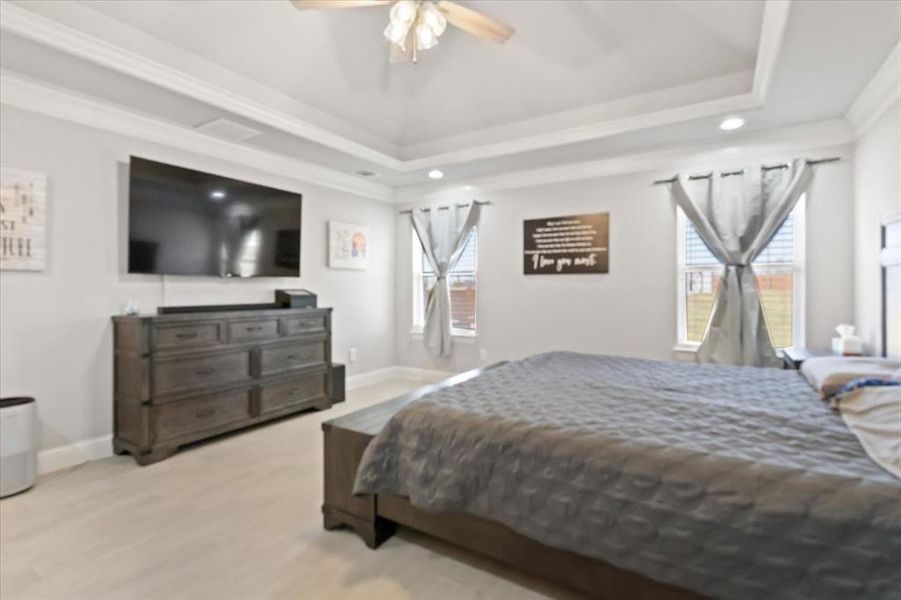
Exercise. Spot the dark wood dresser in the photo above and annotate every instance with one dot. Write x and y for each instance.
(179, 378)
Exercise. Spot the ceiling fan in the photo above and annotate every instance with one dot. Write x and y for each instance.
(416, 25)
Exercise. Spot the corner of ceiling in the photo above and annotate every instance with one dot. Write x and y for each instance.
(881, 91)
(772, 32)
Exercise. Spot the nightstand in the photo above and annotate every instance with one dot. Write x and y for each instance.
(793, 357)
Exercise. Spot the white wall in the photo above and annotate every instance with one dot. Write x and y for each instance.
(877, 191)
(632, 310)
(56, 343)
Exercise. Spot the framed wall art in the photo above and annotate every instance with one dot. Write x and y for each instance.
(566, 245)
(23, 220)
(348, 246)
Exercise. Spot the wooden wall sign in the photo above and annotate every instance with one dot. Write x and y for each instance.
(566, 245)
(23, 220)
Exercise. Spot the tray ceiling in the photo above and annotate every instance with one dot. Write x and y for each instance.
(579, 79)
(564, 55)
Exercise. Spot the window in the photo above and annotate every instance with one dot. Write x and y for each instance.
(462, 281)
(780, 278)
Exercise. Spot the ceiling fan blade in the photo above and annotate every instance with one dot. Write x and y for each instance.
(302, 4)
(474, 22)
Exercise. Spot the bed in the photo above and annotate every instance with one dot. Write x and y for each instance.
(627, 478)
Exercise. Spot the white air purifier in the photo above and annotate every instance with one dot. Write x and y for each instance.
(18, 448)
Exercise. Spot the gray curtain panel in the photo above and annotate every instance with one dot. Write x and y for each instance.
(737, 216)
(443, 234)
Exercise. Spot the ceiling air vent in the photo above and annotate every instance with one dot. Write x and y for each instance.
(365, 173)
(228, 130)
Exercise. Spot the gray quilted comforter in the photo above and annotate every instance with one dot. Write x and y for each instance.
(733, 482)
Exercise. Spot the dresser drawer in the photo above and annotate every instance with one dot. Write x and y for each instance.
(200, 372)
(191, 417)
(276, 359)
(300, 324)
(252, 329)
(187, 335)
(305, 389)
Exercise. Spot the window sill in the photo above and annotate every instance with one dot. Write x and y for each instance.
(692, 348)
(460, 337)
(686, 347)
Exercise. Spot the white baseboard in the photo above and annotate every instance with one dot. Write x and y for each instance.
(63, 457)
(421, 374)
(378, 376)
(70, 455)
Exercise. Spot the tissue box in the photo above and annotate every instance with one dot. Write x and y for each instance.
(847, 345)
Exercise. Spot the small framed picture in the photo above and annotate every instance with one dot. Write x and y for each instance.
(348, 246)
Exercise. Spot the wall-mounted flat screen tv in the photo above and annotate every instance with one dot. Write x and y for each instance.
(185, 222)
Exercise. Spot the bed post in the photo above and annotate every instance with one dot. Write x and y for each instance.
(343, 451)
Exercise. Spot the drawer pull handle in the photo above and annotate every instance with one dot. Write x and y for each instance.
(204, 372)
(186, 336)
(293, 357)
(254, 328)
(206, 412)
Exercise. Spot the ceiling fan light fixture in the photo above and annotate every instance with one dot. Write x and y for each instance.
(425, 37)
(396, 32)
(430, 16)
(404, 12)
(421, 21)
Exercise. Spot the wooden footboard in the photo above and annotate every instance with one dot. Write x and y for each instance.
(375, 518)
(343, 451)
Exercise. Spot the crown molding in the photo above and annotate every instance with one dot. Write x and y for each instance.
(769, 145)
(682, 95)
(78, 43)
(883, 89)
(772, 31)
(572, 135)
(52, 33)
(28, 94)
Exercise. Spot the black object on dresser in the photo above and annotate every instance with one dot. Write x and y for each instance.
(295, 298)
(179, 378)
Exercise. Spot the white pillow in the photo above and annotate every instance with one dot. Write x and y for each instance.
(827, 374)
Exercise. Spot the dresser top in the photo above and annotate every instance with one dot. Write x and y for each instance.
(222, 314)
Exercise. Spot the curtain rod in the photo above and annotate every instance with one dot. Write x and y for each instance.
(410, 211)
(740, 171)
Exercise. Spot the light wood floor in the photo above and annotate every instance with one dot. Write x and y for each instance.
(238, 517)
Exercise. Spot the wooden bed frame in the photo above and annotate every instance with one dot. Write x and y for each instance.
(375, 517)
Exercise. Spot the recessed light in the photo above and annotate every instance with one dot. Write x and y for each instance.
(217, 194)
(435, 174)
(467, 188)
(732, 123)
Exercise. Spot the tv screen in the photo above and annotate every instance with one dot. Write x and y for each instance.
(185, 222)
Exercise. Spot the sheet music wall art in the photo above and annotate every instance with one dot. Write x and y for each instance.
(23, 220)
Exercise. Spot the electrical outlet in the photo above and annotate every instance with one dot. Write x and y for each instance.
(483, 353)
(352, 355)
